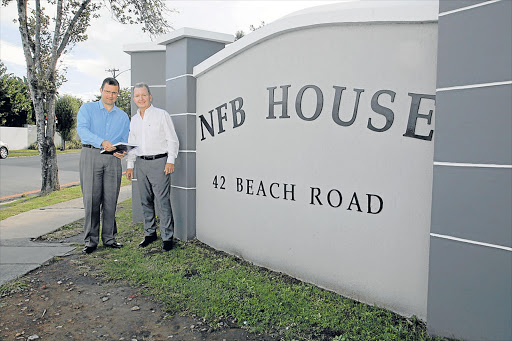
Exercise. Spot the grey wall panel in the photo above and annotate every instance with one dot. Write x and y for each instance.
(184, 207)
(480, 36)
(176, 60)
(185, 170)
(158, 97)
(474, 125)
(147, 67)
(473, 203)
(450, 5)
(137, 215)
(181, 95)
(469, 291)
(186, 53)
(185, 126)
(198, 50)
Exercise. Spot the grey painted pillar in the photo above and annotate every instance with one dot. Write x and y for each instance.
(147, 65)
(185, 48)
(470, 271)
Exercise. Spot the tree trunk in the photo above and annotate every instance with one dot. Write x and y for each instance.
(46, 146)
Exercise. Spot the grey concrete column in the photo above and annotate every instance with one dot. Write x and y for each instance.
(147, 66)
(185, 48)
(470, 270)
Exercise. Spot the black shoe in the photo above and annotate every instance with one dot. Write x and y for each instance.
(148, 240)
(114, 245)
(167, 245)
(89, 249)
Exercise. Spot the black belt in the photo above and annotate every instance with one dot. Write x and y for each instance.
(153, 157)
(88, 146)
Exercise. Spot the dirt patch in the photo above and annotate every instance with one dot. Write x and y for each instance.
(66, 300)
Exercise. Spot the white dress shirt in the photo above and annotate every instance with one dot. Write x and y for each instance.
(154, 134)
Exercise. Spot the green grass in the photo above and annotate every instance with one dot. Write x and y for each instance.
(32, 152)
(194, 279)
(37, 201)
(14, 286)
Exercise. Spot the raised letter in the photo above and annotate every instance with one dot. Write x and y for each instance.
(381, 203)
(319, 102)
(315, 196)
(204, 123)
(235, 110)
(354, 201)
(336, 106)
(379, 109)
(414, 115)
(249, 186)
(329, 198)
(221, 116)
(271, 192)
(272, 103)
(292, 192)
(239, 186)
(261, 188)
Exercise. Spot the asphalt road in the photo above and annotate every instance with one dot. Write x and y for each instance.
(23, 174)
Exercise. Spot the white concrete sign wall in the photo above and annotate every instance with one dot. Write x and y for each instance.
(315, 149)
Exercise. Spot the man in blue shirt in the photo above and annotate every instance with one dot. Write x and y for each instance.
(101, 125)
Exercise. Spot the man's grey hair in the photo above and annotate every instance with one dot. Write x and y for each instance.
(142, 85)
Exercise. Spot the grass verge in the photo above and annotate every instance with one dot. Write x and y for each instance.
(194, 279)
(32, 152)
(33, 202)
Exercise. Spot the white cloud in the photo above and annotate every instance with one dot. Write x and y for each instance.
(11, 53)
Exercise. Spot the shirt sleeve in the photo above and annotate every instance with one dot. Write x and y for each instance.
(132, 138)
(83, 128)
(172, 143)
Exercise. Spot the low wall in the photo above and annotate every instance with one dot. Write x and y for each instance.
(22, 137)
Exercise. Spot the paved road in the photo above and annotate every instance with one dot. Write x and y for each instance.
(23, 174)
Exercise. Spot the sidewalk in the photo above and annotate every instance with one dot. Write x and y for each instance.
(19, 254)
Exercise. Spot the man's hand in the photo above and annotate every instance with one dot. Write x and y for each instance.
(129, 174)
(119, 155)
(108, 146)
(169, 168)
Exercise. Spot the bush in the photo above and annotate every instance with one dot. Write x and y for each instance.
(33, 146)
(74, 144)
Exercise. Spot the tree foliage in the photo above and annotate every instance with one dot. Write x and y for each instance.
(124, 100)
(15, 103)
(45, 38)
(66, 109)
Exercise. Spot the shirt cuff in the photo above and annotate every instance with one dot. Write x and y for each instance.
(170, 159)
(130, 164)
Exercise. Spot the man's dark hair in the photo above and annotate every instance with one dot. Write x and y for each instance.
(110, 81)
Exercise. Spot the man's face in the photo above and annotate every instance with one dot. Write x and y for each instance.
(141, 98)
(109, 94)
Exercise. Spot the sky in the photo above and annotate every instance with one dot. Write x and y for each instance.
(88, 61)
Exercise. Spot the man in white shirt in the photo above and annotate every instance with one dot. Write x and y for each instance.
(153, 131)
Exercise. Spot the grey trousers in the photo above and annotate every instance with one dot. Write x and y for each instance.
(100, 180)
(154, 184)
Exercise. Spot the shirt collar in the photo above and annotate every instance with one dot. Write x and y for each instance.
(149, 108)
(102, 107)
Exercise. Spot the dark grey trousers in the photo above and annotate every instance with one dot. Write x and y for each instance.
(154, 184)
(100, 179)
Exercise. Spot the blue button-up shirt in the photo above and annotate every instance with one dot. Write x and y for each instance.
(94, 124)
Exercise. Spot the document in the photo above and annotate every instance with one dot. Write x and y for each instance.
(120, 147)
